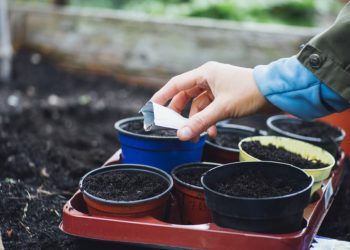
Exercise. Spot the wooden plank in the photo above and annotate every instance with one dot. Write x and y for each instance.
(143, 49)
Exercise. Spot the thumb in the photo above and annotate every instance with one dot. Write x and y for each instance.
(200, 122)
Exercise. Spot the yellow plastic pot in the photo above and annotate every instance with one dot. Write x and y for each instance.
(304, 149)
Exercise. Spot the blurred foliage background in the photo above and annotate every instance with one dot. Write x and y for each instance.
(290, 12)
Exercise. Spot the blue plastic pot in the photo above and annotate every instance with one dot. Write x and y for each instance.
(164, 152)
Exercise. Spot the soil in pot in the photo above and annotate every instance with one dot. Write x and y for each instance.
(228, 139)
(272, 153)
(137, 128)
(254, 184)
(310, 129)
(124, 185)
(192, 175)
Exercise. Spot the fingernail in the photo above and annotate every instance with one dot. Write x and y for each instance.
(185, 133)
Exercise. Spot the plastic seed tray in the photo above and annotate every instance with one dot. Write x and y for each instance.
(150, 231)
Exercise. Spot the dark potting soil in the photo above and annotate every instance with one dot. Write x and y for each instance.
(125, 185)
(137, 128)
(272, 153)
(228, 139)
(192, 175)
(256, 184)
(311, 129)
(54, 127)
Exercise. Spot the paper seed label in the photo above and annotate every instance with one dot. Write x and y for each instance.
(157, 116)
(328, 193)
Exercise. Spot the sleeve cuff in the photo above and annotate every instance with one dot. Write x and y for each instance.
(287, 84)
(327, 69)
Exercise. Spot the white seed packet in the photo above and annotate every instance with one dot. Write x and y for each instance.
(156, 116)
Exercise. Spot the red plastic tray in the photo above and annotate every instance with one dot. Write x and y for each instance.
(150, 231)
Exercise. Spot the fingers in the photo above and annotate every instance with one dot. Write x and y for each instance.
(200, 102)
(180, 100)
(200, 122)
(212, 131)
(177, 84)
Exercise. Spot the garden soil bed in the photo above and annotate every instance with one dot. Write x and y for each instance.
(54, 127)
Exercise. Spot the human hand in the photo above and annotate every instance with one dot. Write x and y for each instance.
(218, 90)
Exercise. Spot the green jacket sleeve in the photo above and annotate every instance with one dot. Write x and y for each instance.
(327, 55)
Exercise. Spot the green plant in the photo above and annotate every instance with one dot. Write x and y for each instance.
(294, 12)
(220, 10)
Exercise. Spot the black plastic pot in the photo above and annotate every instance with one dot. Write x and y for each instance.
(280, 214)
(277, 123)
(220, 154)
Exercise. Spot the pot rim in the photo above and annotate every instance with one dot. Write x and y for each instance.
(307, 169)
(177, 168)
(230, 128)
(138, 167)
(263, 198)
(271, 119)
(118, 127)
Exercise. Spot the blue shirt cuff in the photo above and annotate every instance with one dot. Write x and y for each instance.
(288, 85)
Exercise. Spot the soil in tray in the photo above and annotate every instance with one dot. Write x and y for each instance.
(256, 184)
(192, 175)
(228, 139)
(311, 129)
(124, 185)
(272, 153)
(137, 128)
